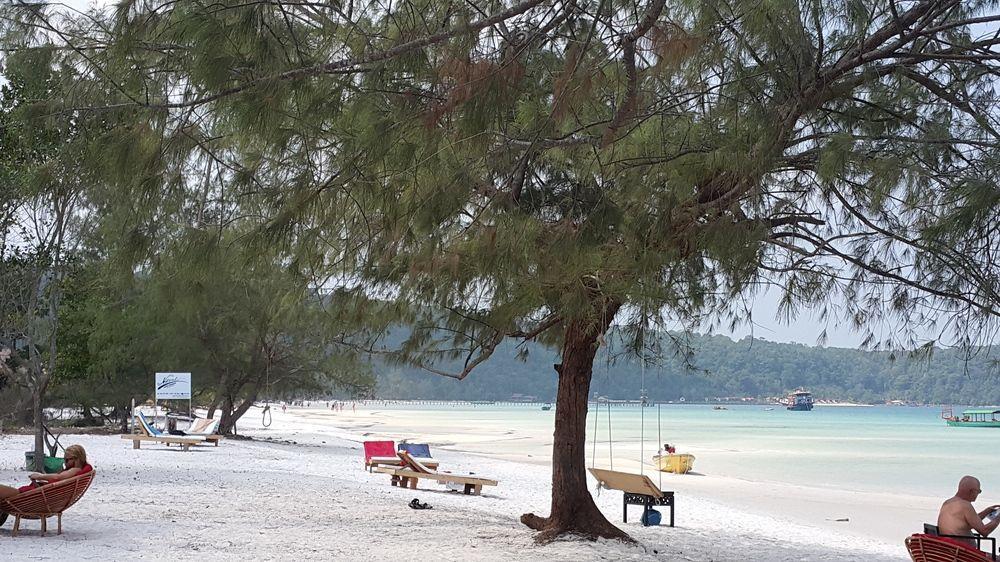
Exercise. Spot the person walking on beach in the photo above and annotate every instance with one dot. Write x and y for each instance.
(958, 517)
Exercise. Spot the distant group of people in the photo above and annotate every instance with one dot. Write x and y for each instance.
(337, 406)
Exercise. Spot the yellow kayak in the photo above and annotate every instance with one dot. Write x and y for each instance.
(674, 463)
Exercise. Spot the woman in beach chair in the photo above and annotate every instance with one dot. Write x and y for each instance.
(75, 464)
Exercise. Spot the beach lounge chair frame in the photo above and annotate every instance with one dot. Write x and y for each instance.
(383, 453)
(413, 470)
(149, 433)
(638, 489)
(50, 500)
(932, 548)
(933, 530)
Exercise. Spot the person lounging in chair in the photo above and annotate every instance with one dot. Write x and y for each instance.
(75, 464)
(958, 517)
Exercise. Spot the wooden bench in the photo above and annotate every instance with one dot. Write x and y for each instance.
(407, 478)
(50, 500)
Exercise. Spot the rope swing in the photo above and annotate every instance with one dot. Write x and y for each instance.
(642, 422)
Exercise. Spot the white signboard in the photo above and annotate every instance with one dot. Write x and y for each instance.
(173, 386)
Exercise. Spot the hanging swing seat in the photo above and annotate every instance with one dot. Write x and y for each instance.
(638, 490)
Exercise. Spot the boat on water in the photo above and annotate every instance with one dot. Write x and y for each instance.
(719, 408)
(547, 406)
(800, 401)
(678, 464)
(980, 417)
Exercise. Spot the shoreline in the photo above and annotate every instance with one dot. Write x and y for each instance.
(883, 517)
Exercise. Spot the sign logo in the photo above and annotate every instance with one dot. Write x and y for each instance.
(173, 386)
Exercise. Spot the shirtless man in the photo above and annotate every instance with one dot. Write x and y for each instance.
(958, 517)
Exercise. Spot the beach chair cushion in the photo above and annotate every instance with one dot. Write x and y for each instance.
(379, 449)
(202, 426)
(419, 450)
(147, 427)
(930, 548)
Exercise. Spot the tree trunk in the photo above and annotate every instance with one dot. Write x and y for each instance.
(573, 509)
(226, 421)
(238, 411)
(39, 420)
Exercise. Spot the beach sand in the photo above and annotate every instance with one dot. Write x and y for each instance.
(298, 491)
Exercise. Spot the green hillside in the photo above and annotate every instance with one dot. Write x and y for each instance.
(721, 367)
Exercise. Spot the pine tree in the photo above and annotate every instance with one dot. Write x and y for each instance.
(540, 170)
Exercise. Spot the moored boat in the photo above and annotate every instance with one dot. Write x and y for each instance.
(981, 417)
(680, 464)
(800, 401)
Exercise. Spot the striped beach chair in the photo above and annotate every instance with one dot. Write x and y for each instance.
(50, 500)
(930, 548)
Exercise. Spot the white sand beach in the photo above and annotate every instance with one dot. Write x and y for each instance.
(298, 491)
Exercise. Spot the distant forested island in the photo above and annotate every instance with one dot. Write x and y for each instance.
(720, 367)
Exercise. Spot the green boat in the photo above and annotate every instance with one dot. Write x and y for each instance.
(973, 418)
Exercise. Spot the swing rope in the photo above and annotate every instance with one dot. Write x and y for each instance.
(659, 425)
(642, 419)
(265, 416)
(593, 455)
(642, 414)
(611, 455)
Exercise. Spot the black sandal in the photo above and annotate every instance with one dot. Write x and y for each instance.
(3, 517)
(415, 504)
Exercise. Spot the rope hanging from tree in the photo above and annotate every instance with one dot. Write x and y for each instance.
(642, 420)
(265, 416)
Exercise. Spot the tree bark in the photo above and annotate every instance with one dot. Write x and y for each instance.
(573, 509)
(39, 419)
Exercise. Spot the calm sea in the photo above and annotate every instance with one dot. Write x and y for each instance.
(884, 449)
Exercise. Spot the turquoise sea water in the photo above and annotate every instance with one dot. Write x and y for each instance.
(883, 449)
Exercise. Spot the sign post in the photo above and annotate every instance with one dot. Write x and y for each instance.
(174, 386)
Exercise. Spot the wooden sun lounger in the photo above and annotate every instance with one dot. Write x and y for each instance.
(377, 462)
(184, 442)
(413, 470)
(407, 478)
(150, 434)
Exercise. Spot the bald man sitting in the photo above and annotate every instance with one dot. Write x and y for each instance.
(958, 517)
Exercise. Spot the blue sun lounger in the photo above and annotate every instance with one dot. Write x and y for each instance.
(418, 450)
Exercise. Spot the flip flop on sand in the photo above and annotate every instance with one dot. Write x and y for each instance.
(415, 504)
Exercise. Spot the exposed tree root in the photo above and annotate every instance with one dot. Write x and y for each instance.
(591, 528)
